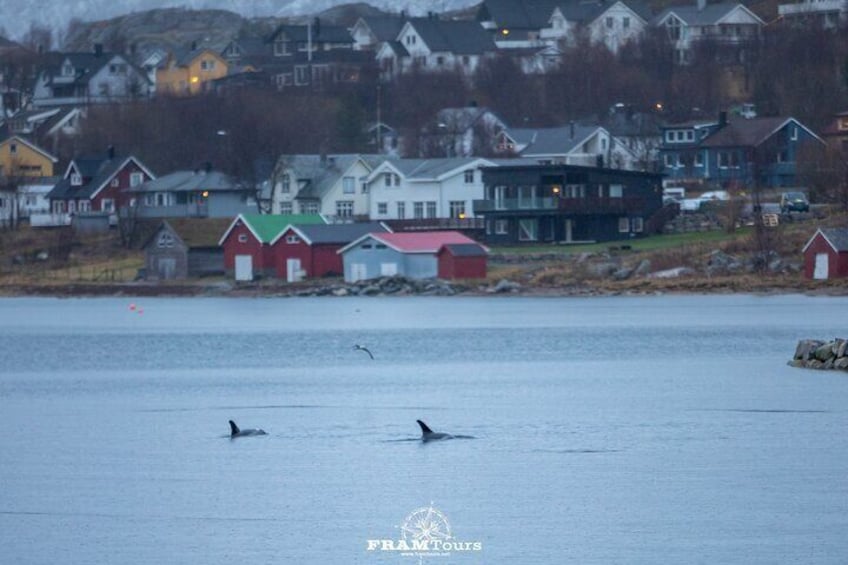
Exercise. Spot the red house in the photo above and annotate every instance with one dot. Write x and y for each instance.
(311, 250)
(462, 261)
(826, 254)
(97, 184)
(247, 242)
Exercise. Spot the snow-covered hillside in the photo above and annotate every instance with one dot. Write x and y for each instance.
(16, 16)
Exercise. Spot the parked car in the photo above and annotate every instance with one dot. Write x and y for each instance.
(794, 202)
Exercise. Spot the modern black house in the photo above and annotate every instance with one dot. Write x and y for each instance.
(566, 203)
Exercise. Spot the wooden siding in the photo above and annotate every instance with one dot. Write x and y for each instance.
(263, 257)
(837, 262)
(453, 267)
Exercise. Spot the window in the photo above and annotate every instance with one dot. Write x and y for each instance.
(457, 209)
(285, 207)
(207, 65)
(292, 239)
(699, 159)
(344, 208)
(794, 135)
(387, 179)
(115, 183)
(284, 79)
(349, 185)
(136, 179)
(107, 205)
(501, 226)
(84, 206)
(727, 159)
(625, 22)
(527, 228)
(673, 28)
(636, 224)
(690, 135)
(431, 209)
(575, 191)
(13, 148)
(382, 208)
(418, 210)
(469, 176)
(242, 238)
(301, 75)
(440, 60)
(281, 48)
(616, 191)
(76, 179)
(610, 23)
(669, 160)
(308, 207)
(364, 187)
(286, 188)
(401, 210)
(624, 225)
(166, 240)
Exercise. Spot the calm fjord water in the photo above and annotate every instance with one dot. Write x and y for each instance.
(607, 430)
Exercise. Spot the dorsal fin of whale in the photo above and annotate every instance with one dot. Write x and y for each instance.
(234, 429)
(425, 429)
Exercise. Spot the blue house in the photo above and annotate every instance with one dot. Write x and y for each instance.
(736, 153)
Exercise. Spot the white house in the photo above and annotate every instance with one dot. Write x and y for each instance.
(431, 44)
(332, 185)
(829, 14)
(729, 24)
(84, 78)
(418, 189)
(462, 132)
(573, 144)
(610, 22)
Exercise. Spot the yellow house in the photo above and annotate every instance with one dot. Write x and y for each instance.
(188, 74)
(21, 158)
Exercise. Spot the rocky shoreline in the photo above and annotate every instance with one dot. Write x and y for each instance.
(818, 354)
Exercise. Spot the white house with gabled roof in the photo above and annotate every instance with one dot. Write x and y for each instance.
(331, 185)
(431, 44)
(729, 24)
(612, 23)
(419, 189)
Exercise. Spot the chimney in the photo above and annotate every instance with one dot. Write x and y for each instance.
(110, 152)
(701, 5)
(722, 119)
(571, 128)
(194, 45)
(98, 49)
(207, 167)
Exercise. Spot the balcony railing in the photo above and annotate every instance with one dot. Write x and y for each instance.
(422, 224)
(563, 205)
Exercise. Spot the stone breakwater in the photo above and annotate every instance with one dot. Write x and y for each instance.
(817, 354)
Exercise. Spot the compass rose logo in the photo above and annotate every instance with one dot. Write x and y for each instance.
(425, 532)
(426, 524)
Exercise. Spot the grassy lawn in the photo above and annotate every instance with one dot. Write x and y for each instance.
(651, 243)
